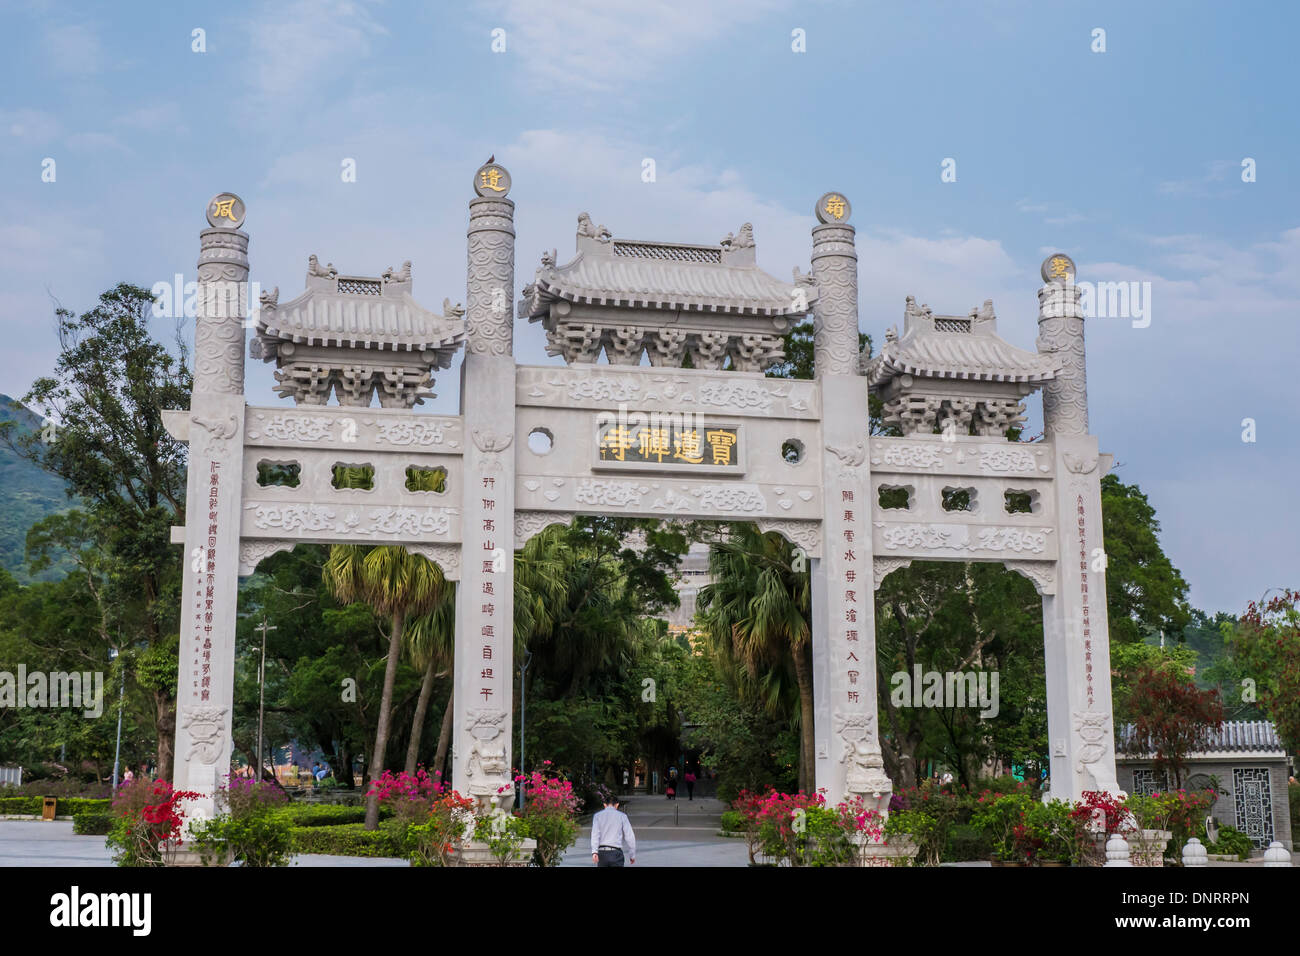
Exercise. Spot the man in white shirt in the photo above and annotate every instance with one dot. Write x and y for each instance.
(611, 832)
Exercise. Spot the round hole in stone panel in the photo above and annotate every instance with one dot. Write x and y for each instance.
(540, 441)
(792, 451)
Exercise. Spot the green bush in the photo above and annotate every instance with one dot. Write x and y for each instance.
(1231, 842)
(733, 821)
(322, 814)
(254, 840)
(348, 839)
(1293, 792)
(966, 842)
(91, 823)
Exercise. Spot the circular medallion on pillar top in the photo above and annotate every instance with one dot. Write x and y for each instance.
(492, 181)
(832, 208)
(226, 211)
(1058, 268)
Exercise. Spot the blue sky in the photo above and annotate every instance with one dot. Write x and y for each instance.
(1130, 160)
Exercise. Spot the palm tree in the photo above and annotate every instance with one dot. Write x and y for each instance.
(755, 612)
(430, 645)
(397, 585)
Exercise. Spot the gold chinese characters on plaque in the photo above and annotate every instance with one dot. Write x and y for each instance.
(669, 443)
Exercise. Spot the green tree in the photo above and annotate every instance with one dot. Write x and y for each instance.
(110, 385)
(430, 644)
(398, 585)
(1145, 593)
(1266, 643)
(755, 611)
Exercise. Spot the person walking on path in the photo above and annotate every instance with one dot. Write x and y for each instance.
(670, 788)
(690, 785)
(611, 832)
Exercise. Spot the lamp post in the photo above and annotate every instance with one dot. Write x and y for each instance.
(261, 688)
(523, 710)
(121, 694)
(261, 693)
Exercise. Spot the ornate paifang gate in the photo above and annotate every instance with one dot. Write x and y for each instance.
(539, 445)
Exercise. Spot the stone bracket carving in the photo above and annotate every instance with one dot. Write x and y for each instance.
(253, 551)
(881, 568)
(529, 523)
(1041, 573)
(806, 535)
(445, 556)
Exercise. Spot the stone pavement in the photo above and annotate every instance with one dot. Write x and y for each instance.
(685, 835)
(33, 843)
(671, 833)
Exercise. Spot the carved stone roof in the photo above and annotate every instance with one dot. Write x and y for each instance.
(357, 312)
(636, 273)
(958, 347)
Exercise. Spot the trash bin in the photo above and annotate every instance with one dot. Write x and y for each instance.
(48, 808)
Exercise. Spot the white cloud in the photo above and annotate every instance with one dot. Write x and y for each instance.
(30, 126)
(74, 48)
(296, 50)
(1217, 171)
(603, 45)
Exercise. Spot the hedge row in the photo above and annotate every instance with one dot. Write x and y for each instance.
(322, 814)
(93, 823)
(349, 839)
(67, 806)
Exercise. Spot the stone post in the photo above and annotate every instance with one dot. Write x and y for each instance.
(847, 758)
(1076, 633)
(209, 594)
(483, 685)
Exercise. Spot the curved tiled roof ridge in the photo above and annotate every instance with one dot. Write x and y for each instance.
(359, 321)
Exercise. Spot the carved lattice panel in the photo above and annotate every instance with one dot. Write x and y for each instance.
(1254, 804)
(1147, 782)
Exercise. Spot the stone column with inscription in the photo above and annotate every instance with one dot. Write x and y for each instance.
(848, 759)
(1075, 630)
(205, 691)
(481, 740)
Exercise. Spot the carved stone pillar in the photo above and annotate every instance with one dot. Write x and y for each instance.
(848, 760)
(835, 268)
(1076, 632)
(204, 700)
(1060, 332)
(481, 739)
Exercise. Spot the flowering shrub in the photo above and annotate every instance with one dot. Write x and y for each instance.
(925, 814)
(1102, 811)
(1177, 811)
(551, 813)
(999, 815)
(503, 832)
(434, 842)
(409, 796)
(149, 824)
(1049, 833)
(246, 831)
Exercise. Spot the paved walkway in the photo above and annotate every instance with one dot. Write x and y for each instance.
(32, 843)
(685, 835)
(671, 833)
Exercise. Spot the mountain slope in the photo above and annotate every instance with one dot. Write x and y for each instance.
(27, 494)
